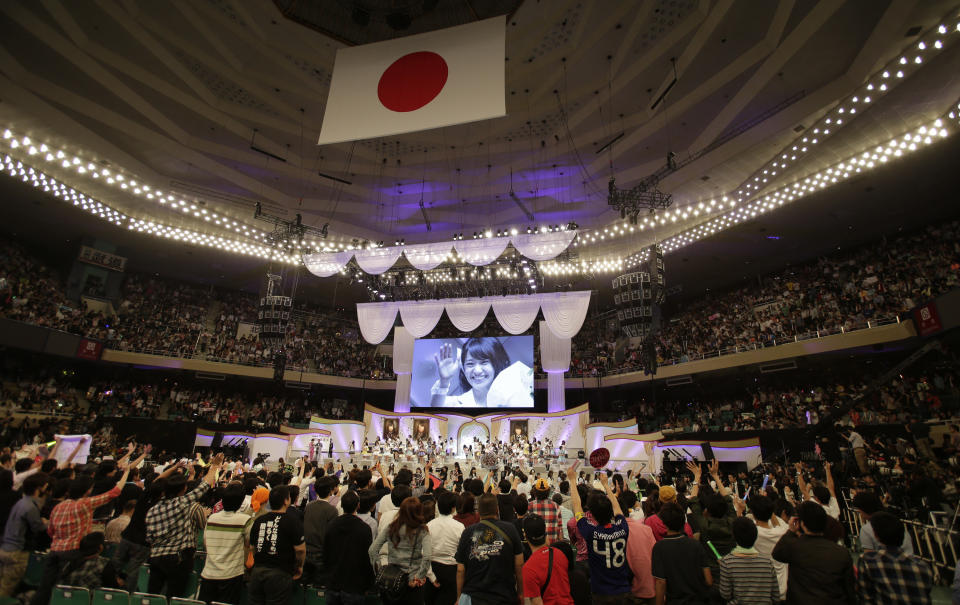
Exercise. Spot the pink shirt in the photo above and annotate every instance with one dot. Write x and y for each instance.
(639, 557)
(660, 530)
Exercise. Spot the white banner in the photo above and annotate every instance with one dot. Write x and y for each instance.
(439, 78)
(535, 246)
(103, 259)
(516, 314)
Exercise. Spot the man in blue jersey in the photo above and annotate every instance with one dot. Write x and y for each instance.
(606, 542)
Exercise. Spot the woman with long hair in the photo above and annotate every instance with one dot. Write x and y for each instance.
(473, 370)
(457, 477)
(408, 547)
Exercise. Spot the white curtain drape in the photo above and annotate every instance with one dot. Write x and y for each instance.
(467, 314)
(325, 264)
(421, 317)
(542, 246)
(516, 313)
(479, 252)
(427, 256)
(401, 398)
(555, 361)
(402, 367)
(565, 312)
(554, 350)
(402, 350)
(377, 260)
(375, 320)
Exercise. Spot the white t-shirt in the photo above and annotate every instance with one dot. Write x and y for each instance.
(832, 507)
(384, 506)
(767, 538)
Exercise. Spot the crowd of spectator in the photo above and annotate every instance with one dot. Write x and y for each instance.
(693, 533)
(841, 292)
(178, 319)
(929, 389)
(68, 395)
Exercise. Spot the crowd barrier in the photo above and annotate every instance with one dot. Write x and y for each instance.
(936, 542)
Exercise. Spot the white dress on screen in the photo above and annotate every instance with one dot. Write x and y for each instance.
(513, 387)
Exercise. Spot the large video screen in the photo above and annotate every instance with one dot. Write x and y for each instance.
(472, 372)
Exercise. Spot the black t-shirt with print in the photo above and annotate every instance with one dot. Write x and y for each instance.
(273, 537)
(488, 558)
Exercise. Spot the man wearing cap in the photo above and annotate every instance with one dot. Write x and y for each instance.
(543, 506)
(668, 495)
(545, 577)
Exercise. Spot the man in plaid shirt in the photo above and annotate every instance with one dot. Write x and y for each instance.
(545, 507)
(70, 521)
(887, 575)
(172, 541)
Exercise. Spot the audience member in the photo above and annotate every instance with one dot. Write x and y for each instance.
(888, 574)
(409, 548)
(346, 545)
(606, 540)
(821, 571)
(168, 527)
(546, 573)
(445, 532)
(221, 579)
(21, 533)
(490, 558)
(746, 576)
(679, 565)
(276, 540)
(88, 569)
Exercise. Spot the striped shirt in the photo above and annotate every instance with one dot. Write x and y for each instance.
(223, 540)
(748, 580)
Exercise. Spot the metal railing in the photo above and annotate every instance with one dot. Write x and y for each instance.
(733, 350)
(937, 543)
(304, 366)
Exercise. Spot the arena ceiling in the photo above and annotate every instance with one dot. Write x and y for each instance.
(176, 96)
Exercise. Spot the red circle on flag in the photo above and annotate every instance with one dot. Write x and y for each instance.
(412, 81)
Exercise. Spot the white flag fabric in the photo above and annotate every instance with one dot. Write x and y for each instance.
(440, 78)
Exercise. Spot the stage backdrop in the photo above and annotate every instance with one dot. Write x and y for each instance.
(342, 432)
(566, 426)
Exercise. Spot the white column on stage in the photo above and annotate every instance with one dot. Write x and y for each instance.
(402, 367)
(555, 361)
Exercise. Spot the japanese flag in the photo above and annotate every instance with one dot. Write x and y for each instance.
(440, 78)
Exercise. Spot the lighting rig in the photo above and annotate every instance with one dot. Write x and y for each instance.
(288, 236)
(455, 280)
(280, 286)
(643, 197)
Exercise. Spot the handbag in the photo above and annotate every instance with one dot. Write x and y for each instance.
(391, 580)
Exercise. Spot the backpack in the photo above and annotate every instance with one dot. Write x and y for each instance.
(579, 581)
